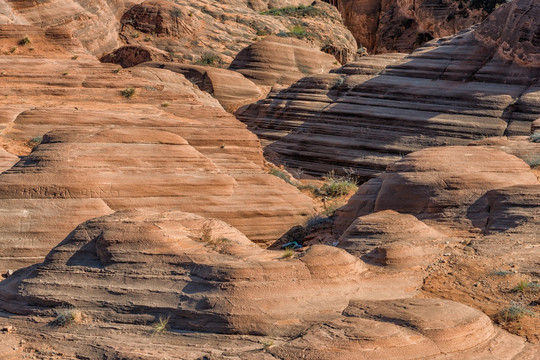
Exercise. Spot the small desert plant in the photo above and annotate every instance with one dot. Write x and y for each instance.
(535, 137)
(116, 71)
(148, 39)
(298, 31)
(283, 34)
(74, 57)
(514, 312)
(208, 59)
(13, 49)
(164, 104)
(176, 13)
(281, 174)
(522, 286)
(161, 324)
(35, 141)
(128, 92)
(135, 35)
(206, 233)
(24, 41)
(335, 186)
(68, 316)
(534, 162)
(288, 253)
(267, 344)
(501, 273)
(65, 73)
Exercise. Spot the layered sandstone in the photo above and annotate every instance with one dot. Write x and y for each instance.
(438, 184)
(174, 148)
(281, 61)
(230, 88)
(132, 266)
(449, 92)
(385, 26)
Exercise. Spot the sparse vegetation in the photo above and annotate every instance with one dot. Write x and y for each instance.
(283, 34)
(208, 59)
(35, 141)
(281, 174)
(206, 233)
(524, 285)
(148, 39)
(164, 104)
(299, 32)
(13, 49)
(535, 138)
(296, 11)
(335, 186)
(128, 92)
(288, 253)
(135, 35)
(176, 13)
(65, 73)
(68, 316)
(74, 57)
(533, 162)
(24, 41)
(161, 324)
(267, 344)
(514, 312)
(501, 273)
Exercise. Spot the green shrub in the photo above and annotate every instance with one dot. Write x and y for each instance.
(128, 92)
(535, 138)
(288, 253)
(68, 316)
(514, 312)
(208, 59)
(161, 324)
(281, 174)
(24, 41)
(298, 31)
(335, 186)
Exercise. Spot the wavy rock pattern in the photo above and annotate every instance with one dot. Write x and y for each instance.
(449, 92)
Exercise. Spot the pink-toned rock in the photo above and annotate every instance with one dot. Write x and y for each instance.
(438, 184)
(279, 60)
(230, 88)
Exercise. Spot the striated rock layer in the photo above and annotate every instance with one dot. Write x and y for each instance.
(134, 266)
(384, 26)
(480, 83)
(163, 145)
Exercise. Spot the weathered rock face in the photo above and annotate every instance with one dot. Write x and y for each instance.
(230, 88)
(213, 31)
(438, 184)
(225, 283)
(188, 155)
(406, 329)
(133, 266)
(387, 26)
(94, 23)
(281, 61)
(449, 92)
(131, 55)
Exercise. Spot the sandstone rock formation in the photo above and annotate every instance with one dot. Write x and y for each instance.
(230, 88)
(385, 26)
(449, 92)
(131, 55)
(201, 272)
(406, 329)
(438, 184)
(281, 61)
(209, 31)
(187, 155)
